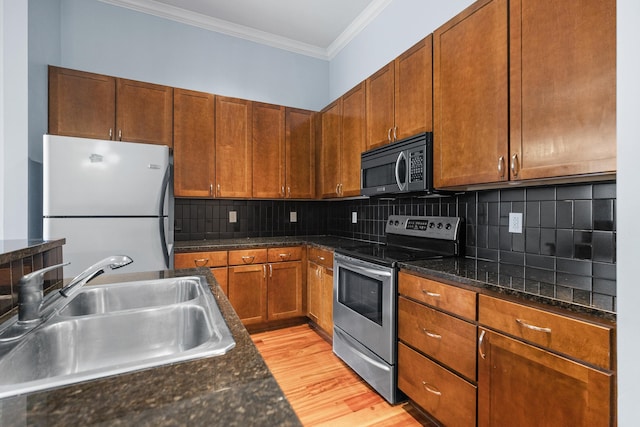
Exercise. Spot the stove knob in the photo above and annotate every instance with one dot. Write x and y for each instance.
(431, 225)
(390, 222)
(439, 225)
(397, 223)
(448, 227)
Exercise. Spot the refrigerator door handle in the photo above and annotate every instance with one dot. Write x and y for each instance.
(163, 237)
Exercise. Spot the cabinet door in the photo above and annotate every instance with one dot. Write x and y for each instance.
(193, 143)
(222, 277)
(284, 292)
(248, 292)
(380, 107)
(81, 104)
(470, 97)
(314, 292)
(330, 149)
(522, 385)
(353, 140)
(144, 112)
(268, 150)
(233, 147)
(414, 90)
(300, 157)
(326, 315)
(563, 87)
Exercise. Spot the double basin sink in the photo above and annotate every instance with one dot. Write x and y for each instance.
(116, 328)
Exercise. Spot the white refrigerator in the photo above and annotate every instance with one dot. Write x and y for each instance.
(108, 198)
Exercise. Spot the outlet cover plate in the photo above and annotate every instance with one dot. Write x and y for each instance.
(515, 222)
(354, 217)
(293, 216)
(233, 216)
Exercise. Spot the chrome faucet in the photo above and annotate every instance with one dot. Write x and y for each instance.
(113, 262)
(31, 294)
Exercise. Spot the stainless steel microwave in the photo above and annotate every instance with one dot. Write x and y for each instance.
(401, 167)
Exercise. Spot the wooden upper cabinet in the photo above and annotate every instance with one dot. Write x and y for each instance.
(268, 150)
(414, 90)
(399, 96)
(353, 140)
(233, 138)
(563, 87)
(330, 149)
(81, 104)
(300, 156)
(144, 112)
(471, 96)
(380, 106)
(193, 145)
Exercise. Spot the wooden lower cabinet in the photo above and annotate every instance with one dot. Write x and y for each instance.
(444, 395)
(523, 385)
(248, 292)
(320, 289)
(284, 290)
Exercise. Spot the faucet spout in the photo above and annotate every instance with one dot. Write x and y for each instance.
(113, 262)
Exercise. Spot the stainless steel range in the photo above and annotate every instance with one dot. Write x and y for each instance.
(365, 294)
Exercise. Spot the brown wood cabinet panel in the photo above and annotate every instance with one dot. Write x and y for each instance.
(221, 275)
(248, 292)
(353, 140)
(444, 395)
(284, 292)
(522, 385)
(81, 104)
(471, 108)
(326, 315)
(144, 112)
(289, 253)
(314, 292)
(448, 339)
(247, 256)
(330, 149)
(193, 143)
(234, 162)
(575, 338)
(200, 259)
(414, 90)
(563, 87)
(300, 153)
(458, 301)
(269, 151)
(380, 107)
(321, 256)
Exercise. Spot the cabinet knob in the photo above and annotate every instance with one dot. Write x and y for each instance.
(110, 133)
(119, 134)
(248, 259)
(515, 165)
(389, 135)
(395, 133)
(431, 388)
(501, 167)
(480, 341)
(201, 262)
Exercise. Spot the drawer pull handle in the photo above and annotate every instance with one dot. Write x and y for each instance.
(284, 256)
(201, 262)
(431, 334)
(431, 294)
(248, 259)
(431, 389)
(480, 341)
(321, 258)
(532, 327)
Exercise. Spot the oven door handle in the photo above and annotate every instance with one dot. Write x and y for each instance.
(366, 270)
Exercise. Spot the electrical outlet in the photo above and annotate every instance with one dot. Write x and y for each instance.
(515, 222)
(293, 216)
(354, 217)
(233, 216)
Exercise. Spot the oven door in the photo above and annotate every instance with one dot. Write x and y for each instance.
(364, 304)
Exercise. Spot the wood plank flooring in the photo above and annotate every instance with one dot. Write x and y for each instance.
(322, 389)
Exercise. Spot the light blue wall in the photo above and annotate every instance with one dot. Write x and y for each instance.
(111, 40)
(400, 25)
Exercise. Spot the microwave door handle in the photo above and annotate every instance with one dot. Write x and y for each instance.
(401, 156)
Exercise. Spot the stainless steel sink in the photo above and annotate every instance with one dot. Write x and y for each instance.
(128, 296)
(97, 334)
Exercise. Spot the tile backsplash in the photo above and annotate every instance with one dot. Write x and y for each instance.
(567, 248)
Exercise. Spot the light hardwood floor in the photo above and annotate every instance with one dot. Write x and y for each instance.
(321, 388)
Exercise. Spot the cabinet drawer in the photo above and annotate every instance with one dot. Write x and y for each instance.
(321, 256)
(446, 338)
(461, 302)
(293, 253)
(200, 259)
(442, 394)
(247, 256)
(575, 338)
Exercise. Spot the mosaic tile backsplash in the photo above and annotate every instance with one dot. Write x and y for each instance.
(567, 249)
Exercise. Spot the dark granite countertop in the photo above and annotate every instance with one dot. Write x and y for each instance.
(235, 389)
(11, 250)
(326, 242)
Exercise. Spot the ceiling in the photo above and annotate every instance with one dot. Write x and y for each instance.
(318, 28)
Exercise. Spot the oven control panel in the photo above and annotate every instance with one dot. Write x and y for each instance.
(433, 227)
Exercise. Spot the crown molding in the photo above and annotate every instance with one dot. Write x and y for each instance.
(199, 20)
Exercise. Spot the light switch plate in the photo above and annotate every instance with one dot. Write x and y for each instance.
(354, 217)
(233, 216)
(515, 222)
(293, 216)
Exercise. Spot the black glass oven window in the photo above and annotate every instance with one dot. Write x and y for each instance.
(362, 294)
(379, 175)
